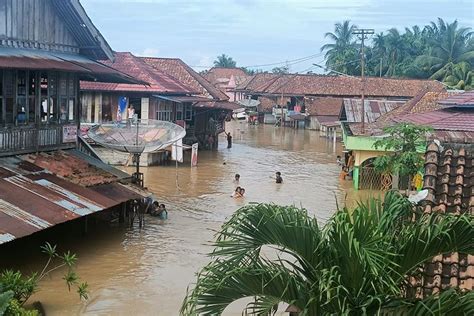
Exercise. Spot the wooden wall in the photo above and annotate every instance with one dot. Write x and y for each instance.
(34, 24)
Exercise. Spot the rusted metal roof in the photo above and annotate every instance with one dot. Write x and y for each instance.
(45, 60)
(373, 109)
(465, 99)
(33, 197)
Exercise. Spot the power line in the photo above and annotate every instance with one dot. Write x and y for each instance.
(289, 62)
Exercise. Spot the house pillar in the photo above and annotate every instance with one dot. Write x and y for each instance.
(355, 177)
(145, 109)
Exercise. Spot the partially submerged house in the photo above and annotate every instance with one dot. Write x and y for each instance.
(323, 114)
(172, 91)
(452, 121)
(46, 48)
(227, 80)
(293, 91)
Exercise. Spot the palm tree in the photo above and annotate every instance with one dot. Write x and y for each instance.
(396, 50)
(450, 45)
(224, 61)
(461, 76)
(358, 263)
(341, 55)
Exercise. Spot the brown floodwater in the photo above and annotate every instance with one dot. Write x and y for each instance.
(147, 271)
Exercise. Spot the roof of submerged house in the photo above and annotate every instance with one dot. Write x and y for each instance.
(38, 191)
(157, 81)
(448, 123)
(176, 68)
(344, 86)
(449, 179)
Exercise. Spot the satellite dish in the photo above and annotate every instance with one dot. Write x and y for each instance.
(136, 137)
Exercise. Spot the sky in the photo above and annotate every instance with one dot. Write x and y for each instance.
(254, 32)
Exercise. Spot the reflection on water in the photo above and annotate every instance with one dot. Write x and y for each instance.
(146, 272)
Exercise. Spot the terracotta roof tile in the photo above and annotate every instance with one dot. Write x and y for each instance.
(449, 179)
(159, 82)
(299, 84)
(323, 106)
(216, 74)
(176, 68)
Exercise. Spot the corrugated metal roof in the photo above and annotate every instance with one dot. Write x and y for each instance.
(183, 98)
(464, 99)
(39, 59)
(373, 109)
(32, 198)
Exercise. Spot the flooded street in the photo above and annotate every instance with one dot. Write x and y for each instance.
(146, 272)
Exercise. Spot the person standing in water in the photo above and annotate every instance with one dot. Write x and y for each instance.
(229, 139)
(278, 178)
(237, 178)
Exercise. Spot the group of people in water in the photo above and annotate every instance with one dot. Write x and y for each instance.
(154, 208)
(240, 191)
(347, 169)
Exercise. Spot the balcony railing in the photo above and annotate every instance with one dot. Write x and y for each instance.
(31, 139)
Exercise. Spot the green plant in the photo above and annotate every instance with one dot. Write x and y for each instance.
(401, 144)
(357, 264)
(16, 289)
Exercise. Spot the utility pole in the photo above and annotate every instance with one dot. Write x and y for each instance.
(363, 35)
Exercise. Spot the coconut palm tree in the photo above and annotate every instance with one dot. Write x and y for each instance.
(450, 45)
(224, 61)
(357, 264)
(342, 54)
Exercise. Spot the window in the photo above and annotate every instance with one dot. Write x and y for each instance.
(9, 90)
(1, 98)
(164, 111)
(32, 89)
(44, 97)
(52, 98)
(188, 113)
(179, 111)
(21, 92)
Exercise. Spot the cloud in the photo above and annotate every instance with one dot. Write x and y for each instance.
(149, 52)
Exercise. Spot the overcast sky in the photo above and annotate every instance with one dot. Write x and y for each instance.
(253, 32)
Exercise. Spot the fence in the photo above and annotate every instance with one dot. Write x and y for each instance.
(24, 140)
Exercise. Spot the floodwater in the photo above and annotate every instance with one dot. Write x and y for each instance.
(147, 271)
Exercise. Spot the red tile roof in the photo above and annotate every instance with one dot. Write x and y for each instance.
(450, 184)
(216, 75)
(323, 106)
(176, 68)
(325, 85)
(158, 81)
(254, 82)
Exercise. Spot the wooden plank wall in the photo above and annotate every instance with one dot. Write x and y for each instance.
(34, 24)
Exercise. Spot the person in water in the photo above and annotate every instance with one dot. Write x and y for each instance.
(237, 193)
(339, 161)
(278, 178)
(229, 139)
(237, 178)
(242, 192)
(162, 212)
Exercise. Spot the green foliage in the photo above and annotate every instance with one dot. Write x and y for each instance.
(15, 308)
(225, 61)
(281, 70)
(16, 289)
(357, 264)
(5, 298)
(441, 50)
(401, 144)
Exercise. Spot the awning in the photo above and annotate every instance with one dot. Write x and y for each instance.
(88, 69)
(33, 197)
(222, 105)
(183, 98)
